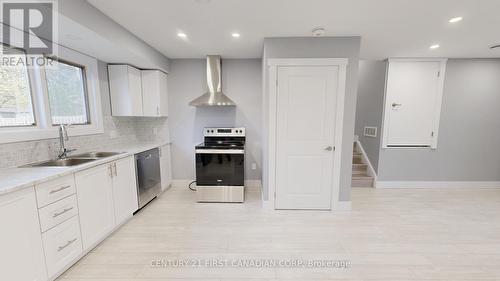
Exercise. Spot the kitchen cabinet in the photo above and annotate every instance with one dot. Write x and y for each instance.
(125, 90)
(154, 93)
(94, 189)
(21, 255)
(165, 167)
(62, 244)
(124, 189)
(107, 197)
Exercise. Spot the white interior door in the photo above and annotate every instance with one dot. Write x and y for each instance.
(305, 139)
(413, 95)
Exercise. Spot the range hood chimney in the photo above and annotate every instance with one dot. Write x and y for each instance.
(214, 96)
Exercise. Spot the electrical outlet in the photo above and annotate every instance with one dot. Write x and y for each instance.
(254, 166)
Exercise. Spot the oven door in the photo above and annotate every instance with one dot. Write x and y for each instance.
(220, 167)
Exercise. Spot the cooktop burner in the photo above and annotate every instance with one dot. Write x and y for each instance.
(223, 138)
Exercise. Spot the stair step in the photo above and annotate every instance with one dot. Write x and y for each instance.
(362, 181)
(355, 153)
(357, 159)
(358, 169)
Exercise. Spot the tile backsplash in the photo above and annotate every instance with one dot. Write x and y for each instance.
(117, 131)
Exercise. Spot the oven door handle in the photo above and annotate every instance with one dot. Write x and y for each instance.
(220, 151)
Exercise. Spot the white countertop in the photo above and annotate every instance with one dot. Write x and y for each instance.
(13, 179)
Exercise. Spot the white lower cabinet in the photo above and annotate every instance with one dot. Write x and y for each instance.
(62, 244)
(58, 212)
(21, 254)
(124, 189)
(94, 189)
(165, 167)
(47, 228)
(107, 196)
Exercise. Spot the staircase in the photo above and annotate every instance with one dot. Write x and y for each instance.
(360, 177)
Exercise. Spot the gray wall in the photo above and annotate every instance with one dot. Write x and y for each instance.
(241, 81)
(325, 47)
(371, 85)
(469, 136)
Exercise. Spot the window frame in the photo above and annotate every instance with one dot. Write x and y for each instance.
(44, 129)
(29, 74)
(85, 88)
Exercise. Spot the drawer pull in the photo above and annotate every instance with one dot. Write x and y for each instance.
(59, 189)
(60, 248)
(62, 212)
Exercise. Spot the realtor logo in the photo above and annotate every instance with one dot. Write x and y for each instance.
(28, 25)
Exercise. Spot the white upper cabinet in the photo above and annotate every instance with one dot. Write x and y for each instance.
(126, 90)
(21, 254)
(137, 92)
(414, 91)
(154, 93)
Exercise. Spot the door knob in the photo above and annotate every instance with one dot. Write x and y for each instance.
(328, 148)
(396, 104)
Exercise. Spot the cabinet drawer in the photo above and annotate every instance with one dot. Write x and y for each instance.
(55, 213)
(62, 245)
(51, 191)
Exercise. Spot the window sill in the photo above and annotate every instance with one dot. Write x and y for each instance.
(36, 134)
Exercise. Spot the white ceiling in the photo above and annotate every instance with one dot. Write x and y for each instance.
(389, 28)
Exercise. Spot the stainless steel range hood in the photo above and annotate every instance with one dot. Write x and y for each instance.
(214, 96)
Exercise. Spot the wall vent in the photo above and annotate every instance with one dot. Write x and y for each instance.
(370, 132)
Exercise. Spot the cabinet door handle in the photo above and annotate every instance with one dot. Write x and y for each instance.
(59, 189)
(114, 167)
(60, 248)
(110, 171)
(158, 110)
(62, 212)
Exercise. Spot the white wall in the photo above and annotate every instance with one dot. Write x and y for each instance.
(241, 81)
(86, 29)
(324, 47)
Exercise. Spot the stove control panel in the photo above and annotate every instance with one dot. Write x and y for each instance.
(221, 132)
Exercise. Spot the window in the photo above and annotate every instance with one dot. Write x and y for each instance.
(67, 93)
(35, 98)
(16, 105)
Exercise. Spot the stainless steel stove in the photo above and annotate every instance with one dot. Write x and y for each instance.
(220, 165)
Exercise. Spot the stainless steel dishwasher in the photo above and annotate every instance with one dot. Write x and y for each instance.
(147, 164)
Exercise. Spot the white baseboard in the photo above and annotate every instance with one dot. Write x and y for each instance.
(251, 185)
(437, 184)
(342, 206)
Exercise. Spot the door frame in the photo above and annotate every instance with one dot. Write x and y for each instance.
(273, 65)
(437, 110)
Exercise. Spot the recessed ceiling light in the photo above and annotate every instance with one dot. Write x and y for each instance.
(236, 35)
(435, 46)
(455, 19)
(182, 34)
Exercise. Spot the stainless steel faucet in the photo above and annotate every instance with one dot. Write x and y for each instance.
(63, 137)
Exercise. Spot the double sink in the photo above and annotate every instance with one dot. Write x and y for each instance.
(74, 160)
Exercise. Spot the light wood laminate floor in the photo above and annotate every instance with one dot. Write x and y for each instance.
(405, 234)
